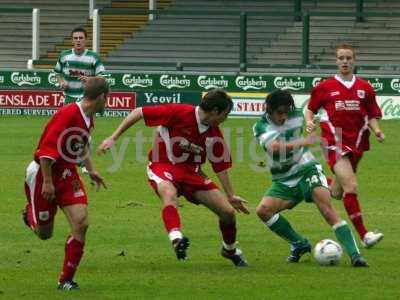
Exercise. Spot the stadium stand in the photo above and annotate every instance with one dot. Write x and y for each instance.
(57, 18)
(130, 41)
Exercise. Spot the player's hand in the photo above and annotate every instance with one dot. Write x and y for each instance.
(106, 145)
(310, 126)
(380, 136)
(48, 191)
(83, 78)
(97, 180)
(310, 139)
(63, 84)
(238, 203)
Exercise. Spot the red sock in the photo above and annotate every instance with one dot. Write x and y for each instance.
(28, 208)
(352, 206)
(73, 255)
(171, 218)
(228, 233)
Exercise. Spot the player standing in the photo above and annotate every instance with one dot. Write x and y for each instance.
(349, 111)
(296, 175)
(75, 65)
(52, 180)
(186, 137)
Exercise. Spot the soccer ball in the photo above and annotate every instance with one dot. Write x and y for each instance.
(327, 252)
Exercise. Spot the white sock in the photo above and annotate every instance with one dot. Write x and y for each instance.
(175, 234)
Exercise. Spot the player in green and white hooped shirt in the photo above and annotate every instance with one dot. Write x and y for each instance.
(75, 65)
(296, 175)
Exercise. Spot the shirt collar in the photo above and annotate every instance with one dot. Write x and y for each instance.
(84, 116)
(347, 84)
(202, 128)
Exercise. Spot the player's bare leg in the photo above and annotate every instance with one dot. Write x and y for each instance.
(217, 202)
(268, 211)
(348, 180)
(77, 216)
(170, 216)
(321, 197)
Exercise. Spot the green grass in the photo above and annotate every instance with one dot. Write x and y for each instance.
(126, 217)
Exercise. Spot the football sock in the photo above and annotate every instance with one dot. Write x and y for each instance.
(352, 206)
(228, 235)
(73, 255)
(346, 238)
(282, 227)
(172, 222)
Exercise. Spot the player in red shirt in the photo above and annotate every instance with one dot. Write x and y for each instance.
(186, 137)
(348, 112)
(52, 180)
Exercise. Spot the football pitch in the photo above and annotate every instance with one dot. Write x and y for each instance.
(128, 255)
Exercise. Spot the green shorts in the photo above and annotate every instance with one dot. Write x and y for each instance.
(311, 177)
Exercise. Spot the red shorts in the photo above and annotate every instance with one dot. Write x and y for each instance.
(332, 156)
(185, 181)
(68, 187)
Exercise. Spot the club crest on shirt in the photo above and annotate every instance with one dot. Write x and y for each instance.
(361, 94)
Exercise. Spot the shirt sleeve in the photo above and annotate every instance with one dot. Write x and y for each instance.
(218, 153)
(373, 110)
(316, 99)
(58, 67)
(53, 138)
(99, 67)
(264, 134)
(160, 114)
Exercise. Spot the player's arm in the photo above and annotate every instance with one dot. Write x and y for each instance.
(96, 178)
(237, 202)
(374, 113)
(129, 121)
(48, 191)
(309, 118)
(278, 146)
(374, 125)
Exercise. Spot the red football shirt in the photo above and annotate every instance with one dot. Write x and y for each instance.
(182, 139)
(346, 109)
(65, 136)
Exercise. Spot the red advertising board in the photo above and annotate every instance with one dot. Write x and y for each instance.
(54, 99)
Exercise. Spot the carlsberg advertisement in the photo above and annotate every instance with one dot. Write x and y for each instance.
(37, 92)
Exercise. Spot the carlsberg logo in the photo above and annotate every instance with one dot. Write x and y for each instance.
(136, 81)
(289, 83)
(246, 83)
(316, 81)
(378, 86)
(110, 80)
(174, 81)
(52, 79)
(21, 79)
(395, 85)
(212, 82)
(1, 79)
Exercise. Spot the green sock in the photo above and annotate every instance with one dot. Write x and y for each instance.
(346, 238)
(281, 227)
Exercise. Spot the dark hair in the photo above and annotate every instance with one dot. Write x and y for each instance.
(79, 29)
(278, 98)
(94, 87)
(347, 47)
(216, 99)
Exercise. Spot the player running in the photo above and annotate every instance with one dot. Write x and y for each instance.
(349, 110)
(296, 175)
(186, 137)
